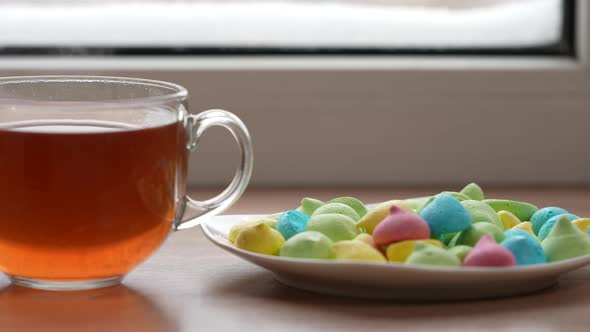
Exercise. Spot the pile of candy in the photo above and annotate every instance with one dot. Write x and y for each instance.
(448, 229)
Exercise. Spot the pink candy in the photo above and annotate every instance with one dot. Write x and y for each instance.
(400, 225)
(488, 253)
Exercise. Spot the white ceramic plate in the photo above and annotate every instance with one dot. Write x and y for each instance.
(397, 281)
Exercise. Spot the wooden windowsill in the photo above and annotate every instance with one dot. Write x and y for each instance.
(191, 285)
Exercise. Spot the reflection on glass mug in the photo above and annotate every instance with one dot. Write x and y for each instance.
(93, 175)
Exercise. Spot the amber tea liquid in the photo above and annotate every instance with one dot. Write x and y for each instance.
(86, 199)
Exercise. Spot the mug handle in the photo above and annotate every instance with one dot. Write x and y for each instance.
(192, 211)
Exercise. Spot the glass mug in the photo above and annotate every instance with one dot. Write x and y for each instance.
(93, 175)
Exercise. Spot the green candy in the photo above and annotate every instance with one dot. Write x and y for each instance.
(471, 235)
(460, 251)
(444, 238)
(274, 216)
(481, 212)
(522, 210)
(439, 237)
(448, 237)
(473, 191)
(337, 208)
(453, 241)
(354, 203)
(459, 196)
(415, 203)
(309, 205)
(427, 254)
(338, 227)
(565, 241)
(308, 245)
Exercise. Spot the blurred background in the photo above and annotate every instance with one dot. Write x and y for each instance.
(344, 92)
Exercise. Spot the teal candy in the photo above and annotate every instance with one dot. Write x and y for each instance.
(445, 214)
(526, 249)
(459, 196)
(518, 232)
(291, 223)
(544, 214)
(425, 204)
(548, 225)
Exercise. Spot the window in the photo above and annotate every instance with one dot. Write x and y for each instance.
(435, 92)
(287, 27)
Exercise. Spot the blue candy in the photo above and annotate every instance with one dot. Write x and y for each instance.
(548, 225)
(291, 223)
(544, 214)
(525, 248)
(445, 214)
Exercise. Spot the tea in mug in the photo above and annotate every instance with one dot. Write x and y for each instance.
(86, 199)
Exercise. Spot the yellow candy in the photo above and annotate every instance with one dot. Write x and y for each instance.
(400, 251)
(526, 226)
(237, 228)
(508, 219)
(583, 224)
(365, 238)
(357, 251)
(376, 215)
(260, 239)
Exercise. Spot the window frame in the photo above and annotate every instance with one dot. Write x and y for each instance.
(361, 120)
